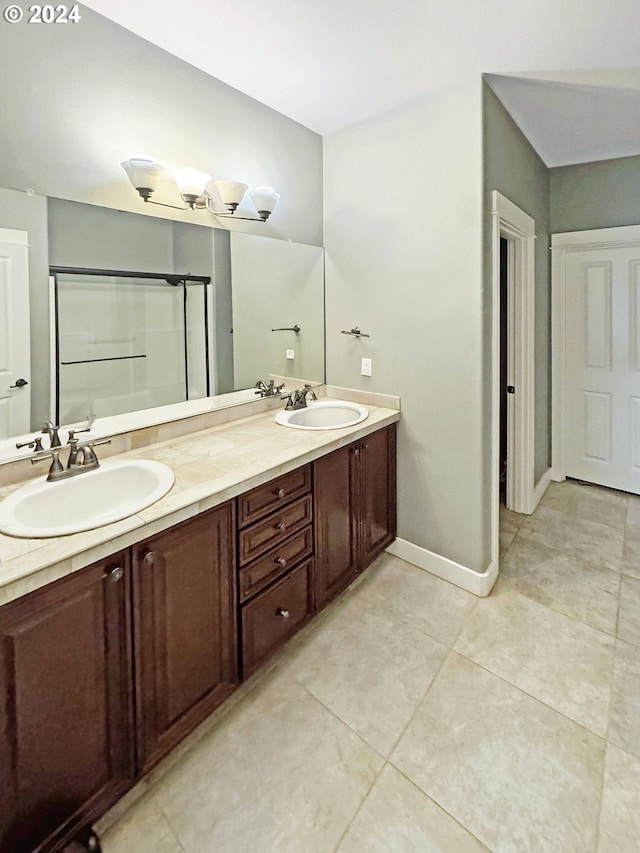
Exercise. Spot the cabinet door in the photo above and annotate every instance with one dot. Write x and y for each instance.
(65, 706)
(377, 493)
(336, 486)
(185, 629)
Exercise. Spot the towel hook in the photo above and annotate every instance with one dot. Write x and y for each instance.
(356, 333)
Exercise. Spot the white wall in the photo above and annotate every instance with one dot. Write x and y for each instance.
(403, 241)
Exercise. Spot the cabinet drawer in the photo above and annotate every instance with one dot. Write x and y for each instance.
(274, 563)
(275, 615)
(264, 499)
(265, 534)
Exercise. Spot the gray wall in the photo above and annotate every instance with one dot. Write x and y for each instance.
(595, 195)
(29, 213)
(82, 235)
(512, 167)
(76, 100)
(403, 261)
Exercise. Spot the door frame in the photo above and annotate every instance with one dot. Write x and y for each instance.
(626, 236)
(519, 229)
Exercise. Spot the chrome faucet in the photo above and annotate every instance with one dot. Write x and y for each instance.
(270, 390)
(297, 399)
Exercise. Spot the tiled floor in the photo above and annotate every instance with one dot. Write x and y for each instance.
(414, 717)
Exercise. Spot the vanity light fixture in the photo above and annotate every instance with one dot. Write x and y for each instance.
(145, 174)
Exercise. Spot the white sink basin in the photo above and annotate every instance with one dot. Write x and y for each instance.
(323, 414)
(91, 499)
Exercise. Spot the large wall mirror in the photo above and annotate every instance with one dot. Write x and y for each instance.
(88, 98)
(209, 313)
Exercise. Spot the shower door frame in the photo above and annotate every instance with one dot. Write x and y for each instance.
(171, 279)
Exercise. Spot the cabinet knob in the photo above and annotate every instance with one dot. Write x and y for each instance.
(282, 612)
(149, 559)
(280, 493)
(280, 561)
(355, 451)
(116, 574)
(281, 526)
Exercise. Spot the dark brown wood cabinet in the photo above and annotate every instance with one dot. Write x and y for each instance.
(184, 605)
(103, 672)
(354, 510)
(65, 706)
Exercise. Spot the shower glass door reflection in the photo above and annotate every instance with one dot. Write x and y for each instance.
(128, 341)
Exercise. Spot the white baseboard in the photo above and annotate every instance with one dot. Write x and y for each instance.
(542, 487)
(479, 583)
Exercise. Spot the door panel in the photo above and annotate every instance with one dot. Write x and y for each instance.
(603, 366)
(65, 705)
(378, 490)
(184, 624)
(336, 489)
(15, 359)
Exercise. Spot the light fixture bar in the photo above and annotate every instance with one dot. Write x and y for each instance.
(144, 174)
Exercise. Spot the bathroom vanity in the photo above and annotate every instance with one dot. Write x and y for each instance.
(106, 669)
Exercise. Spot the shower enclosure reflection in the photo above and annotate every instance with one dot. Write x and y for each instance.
(128, 341)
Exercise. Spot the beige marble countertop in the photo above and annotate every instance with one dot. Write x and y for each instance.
(210, 466)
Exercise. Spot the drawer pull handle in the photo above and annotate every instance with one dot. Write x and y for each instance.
(115, 574)
(149, 559)
(281, 526)
(282, 612)
(280, 493)
(281, 561)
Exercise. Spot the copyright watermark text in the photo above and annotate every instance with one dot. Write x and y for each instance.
(47, 14)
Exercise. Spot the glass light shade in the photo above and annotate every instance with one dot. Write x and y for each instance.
(143, 173)
(231, 193)
(265, 200)
(191, 183)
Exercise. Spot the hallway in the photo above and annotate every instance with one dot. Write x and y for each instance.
(412, 716)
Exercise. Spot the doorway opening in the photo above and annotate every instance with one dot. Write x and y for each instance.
(504, 330)
(513, 291)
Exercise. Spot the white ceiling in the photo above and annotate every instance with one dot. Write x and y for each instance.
(567, 70)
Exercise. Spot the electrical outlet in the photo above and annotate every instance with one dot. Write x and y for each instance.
(365, 369)
(291, 354)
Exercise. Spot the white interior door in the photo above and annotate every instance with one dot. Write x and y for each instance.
(602, 351)
(15, 361)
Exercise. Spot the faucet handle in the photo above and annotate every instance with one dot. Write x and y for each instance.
(74, 432)
(56, 466)
(35, 442)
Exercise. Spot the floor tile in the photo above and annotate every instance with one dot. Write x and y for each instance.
(631, 554)
(560, 661)
(397, 816)
(369, 667)
(588, 502)
(510, 523)
(143, 829)
(430, 604)
(280, 773)
(620, 814)
(588, 540)
(567, 584)
(515, 773)
(624, 719)
(629, 614)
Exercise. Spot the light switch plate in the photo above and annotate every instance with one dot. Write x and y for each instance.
(365, 369)
(290, 353)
